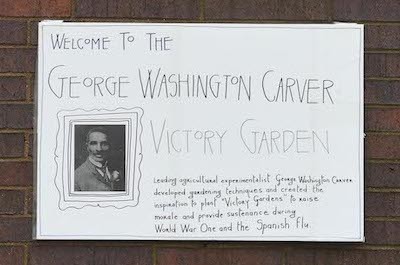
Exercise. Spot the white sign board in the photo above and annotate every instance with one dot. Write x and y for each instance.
(200, 132)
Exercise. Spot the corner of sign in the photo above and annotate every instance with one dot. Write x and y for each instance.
(50, 22)
(350, 24)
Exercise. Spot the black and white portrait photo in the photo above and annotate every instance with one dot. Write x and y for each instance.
(99, 159)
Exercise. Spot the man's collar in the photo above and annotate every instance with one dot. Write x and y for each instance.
(97, 164)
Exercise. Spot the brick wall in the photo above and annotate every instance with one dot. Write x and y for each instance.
(18, 33)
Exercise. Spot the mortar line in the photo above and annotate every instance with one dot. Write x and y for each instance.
(73, 6)
(24, 18)
(386, 133)
(15, 131)
(29, 88)
(11, 244)
(28, 37)
(19, 102)
(382, 161)
(382, 106)
(382, 190)
(380, 247)
(16, 159)
(9, 216)
(17, 46)
(26, 253)
(13, 74)
(202, 4)
(381, 78)
(284, 255)
(23, 188)
(383, 219)
(382, 51)
(382, 132)
(368, 106)
(386, 23)
(26, 202)
(26, 145)
(154, 254)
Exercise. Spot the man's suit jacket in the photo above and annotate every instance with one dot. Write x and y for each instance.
(87, 178)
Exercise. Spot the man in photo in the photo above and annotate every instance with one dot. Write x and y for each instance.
(97, 173)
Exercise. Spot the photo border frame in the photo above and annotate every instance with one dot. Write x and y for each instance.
(64, 153)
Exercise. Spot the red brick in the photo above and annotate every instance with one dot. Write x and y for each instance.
(12, 202)
(12, 88)
(16, 173)
(382, 119)
(11, 255)
(384, 10)
(382, 204)
(11, 145)
(182, 9)
(13, 32)
(382, 175)
(16, 116)
(122, 255)
(382, 232)
(382, 146)
(382, 64)
(15, 229)
(382, 36)
(275, 9)
(314, 256)
(60, 255)
(35, 8)
(17, 60)
(382, 92)
(242, 256)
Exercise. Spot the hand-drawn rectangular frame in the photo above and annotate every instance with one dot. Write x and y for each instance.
(64, 157)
